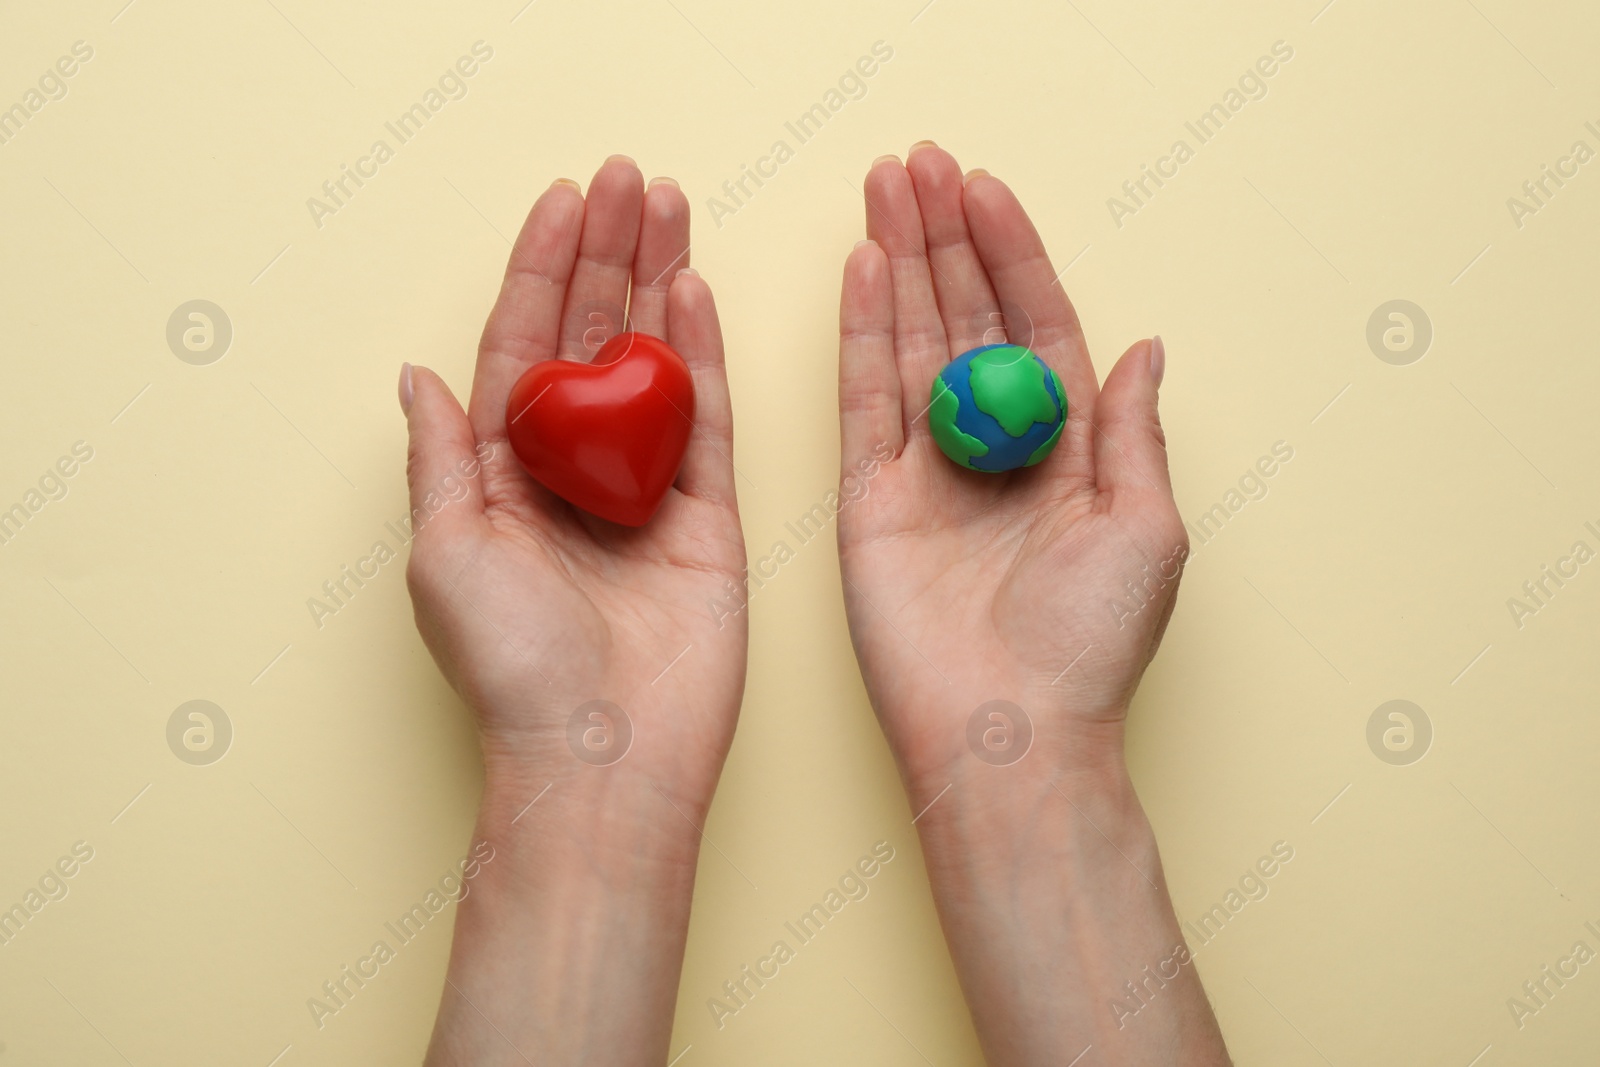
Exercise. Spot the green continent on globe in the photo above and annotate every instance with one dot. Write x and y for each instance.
(1008, 384)
(955, 443)
(1044, 449)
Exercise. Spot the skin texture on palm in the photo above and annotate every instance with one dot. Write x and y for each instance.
(964, 587)
(532, 608)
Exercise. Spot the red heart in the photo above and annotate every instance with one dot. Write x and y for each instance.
(609, 435)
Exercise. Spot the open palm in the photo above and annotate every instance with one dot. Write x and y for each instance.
(534, 609)
(1047, 587)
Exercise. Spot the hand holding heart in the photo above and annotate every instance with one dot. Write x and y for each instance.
(533, 607)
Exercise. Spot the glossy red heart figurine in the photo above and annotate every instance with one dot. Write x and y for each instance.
(607, 436)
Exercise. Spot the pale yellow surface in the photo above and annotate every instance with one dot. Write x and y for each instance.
(1379, 565)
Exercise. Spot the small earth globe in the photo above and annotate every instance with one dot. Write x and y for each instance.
(997, 408)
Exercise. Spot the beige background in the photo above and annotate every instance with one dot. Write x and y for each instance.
(1419, 498)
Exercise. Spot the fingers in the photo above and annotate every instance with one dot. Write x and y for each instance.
(599, 288)
(1130, 447)
(1025, 284)
(663, 251)
(526, 321)
(442, 466)
(693, 331)
(894, 222)
(1022, 276)
(869, 380)
(967, 304)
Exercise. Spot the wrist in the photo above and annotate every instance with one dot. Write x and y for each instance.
(611, 819)
(999, 749)
(1057, 876)
(995, 820)
(576, 872)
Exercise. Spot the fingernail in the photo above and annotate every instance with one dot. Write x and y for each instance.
(620, 158)
(566, 181)
(974, 174)
(865, 243)
(407, 395)
(1158, 359)
(690, 271)
(920, 144)
(884, 159)
(661, 181)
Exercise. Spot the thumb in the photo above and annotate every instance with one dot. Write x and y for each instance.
(1130, 447)
(443, 467)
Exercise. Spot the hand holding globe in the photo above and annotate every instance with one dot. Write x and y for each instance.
(969, 592)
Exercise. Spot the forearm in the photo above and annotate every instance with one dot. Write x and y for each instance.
(569, 944)
(1050, 891)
